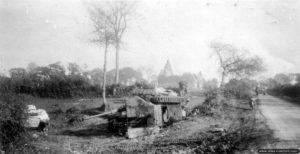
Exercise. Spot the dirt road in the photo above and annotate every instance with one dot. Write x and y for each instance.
(283, 117)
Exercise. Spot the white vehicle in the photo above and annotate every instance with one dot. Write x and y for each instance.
(37, 118)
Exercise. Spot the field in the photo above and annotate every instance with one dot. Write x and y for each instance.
(185, 136)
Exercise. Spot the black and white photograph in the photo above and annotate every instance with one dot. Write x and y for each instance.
(149, 76)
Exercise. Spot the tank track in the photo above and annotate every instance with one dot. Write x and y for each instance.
(167, 99)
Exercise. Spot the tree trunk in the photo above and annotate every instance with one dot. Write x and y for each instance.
(222, 80)
(106, 106)
(117, 62)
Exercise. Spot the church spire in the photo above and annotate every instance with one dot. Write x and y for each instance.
(167, 71)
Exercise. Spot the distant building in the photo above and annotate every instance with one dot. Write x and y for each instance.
(167, 71)
(167, 78)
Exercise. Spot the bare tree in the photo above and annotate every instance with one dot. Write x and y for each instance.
(104, 36)
(234, 62)
(119, 13)
(116, 14)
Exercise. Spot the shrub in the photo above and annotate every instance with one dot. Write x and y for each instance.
(209, 107)
(13, 134)
(210, 94)
(242, 89)
(292, 91)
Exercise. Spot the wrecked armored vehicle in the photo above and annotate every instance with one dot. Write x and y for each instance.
(143, 112)
(146, 111)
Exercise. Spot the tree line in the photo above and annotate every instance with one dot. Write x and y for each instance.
(284, 85)
(56, 81)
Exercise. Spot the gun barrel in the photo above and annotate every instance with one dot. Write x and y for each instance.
(103, 114)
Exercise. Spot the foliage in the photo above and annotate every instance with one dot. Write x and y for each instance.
(53, 81)
(270, 83)
(292, 91)
(128, 74)
(205, 109)
(282, 79)
(13, 134)
(281, 85)
(209, 85)
(73, 68)
(183, 86)
(96, 76)
(242, 132)
(168, 81)
(5, 84)
(172, 81)
(119, 90)
(14, 137)
(242, 89)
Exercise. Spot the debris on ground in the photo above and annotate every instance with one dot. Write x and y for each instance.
(136, 132)
(129, 131)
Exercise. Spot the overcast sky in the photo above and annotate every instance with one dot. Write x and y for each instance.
(47, 31)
